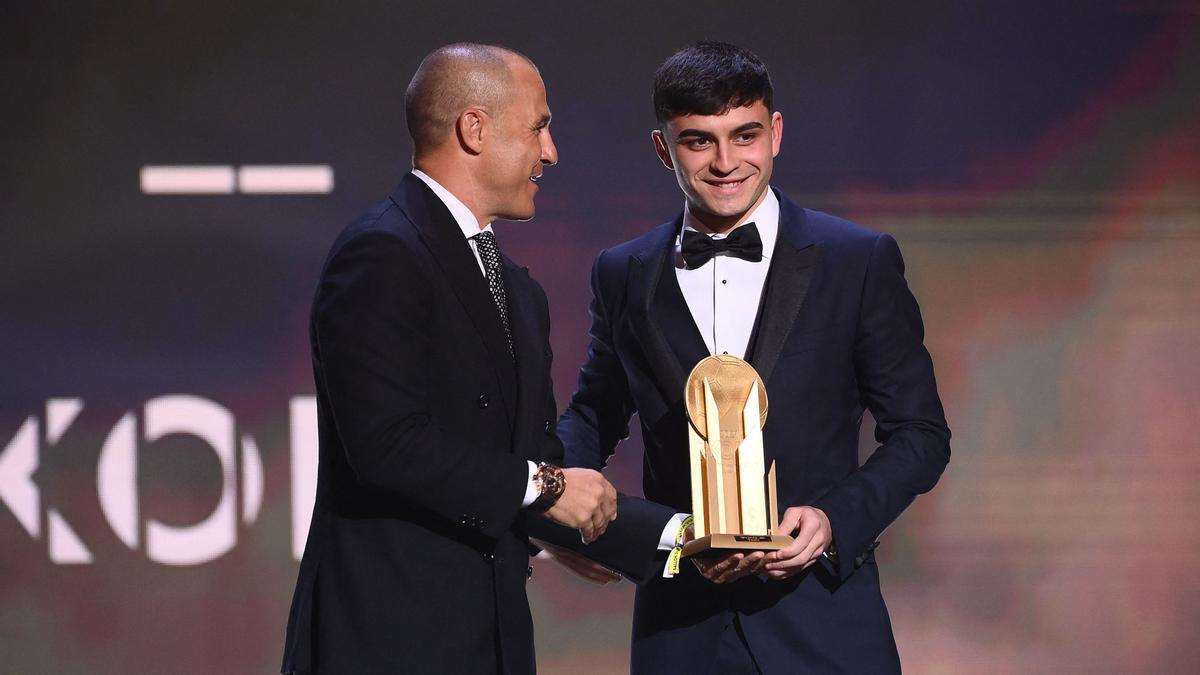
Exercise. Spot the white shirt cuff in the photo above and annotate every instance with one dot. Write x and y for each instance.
(667, 541)
(530, 488)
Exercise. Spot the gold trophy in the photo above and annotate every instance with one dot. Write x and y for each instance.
(734, 502)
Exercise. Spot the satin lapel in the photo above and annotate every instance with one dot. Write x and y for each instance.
(529, 348)
(453, 255)
(645, 270)
(669, 310)
(795, 261)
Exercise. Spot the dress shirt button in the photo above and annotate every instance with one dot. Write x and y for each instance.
(724, 281)
(483, 401)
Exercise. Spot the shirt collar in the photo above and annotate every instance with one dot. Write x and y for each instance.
(765, 218)
(462, 215)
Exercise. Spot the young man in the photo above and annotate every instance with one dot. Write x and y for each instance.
(432, 364)
(819, 306)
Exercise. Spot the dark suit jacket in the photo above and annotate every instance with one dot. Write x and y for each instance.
(838, 332)
(416, 557)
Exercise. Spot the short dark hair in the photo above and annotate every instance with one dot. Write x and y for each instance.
(710, 78)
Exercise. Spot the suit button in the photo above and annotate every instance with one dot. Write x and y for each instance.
(549, 428)
(489, 556)
(482, 401)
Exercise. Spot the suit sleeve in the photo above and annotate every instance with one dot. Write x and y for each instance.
(896, 383)
(371, 324)
(597, 418)
(595, 421)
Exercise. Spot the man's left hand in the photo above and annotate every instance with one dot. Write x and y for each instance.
(813, 535)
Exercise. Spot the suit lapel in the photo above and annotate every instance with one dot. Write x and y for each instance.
(669, 310)
(453, 255)
(527, 345)
(660, 321)
(795, 260)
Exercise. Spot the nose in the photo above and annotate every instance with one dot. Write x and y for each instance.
(549, 151)
(723, 162)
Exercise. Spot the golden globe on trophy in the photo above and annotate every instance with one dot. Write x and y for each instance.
(734, 503)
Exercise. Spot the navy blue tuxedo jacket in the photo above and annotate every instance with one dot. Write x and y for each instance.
(838, 332)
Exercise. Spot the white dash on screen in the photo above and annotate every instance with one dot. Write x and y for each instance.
(285, 179)
(183, 179)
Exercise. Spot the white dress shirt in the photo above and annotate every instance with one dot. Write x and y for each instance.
(470, 227)
(724, 293)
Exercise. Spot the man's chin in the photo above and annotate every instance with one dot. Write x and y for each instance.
(731, 207)
(725, 210)
(518, 216)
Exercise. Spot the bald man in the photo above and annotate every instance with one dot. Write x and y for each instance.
(432, 364)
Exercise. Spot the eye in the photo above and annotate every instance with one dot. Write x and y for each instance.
(746, 138)
(697, 143)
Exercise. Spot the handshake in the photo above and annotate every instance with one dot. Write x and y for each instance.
(586, 502)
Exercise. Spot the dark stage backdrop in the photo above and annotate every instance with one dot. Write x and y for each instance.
(1038, 162)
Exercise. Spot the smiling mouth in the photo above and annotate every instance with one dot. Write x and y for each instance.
(727, 185)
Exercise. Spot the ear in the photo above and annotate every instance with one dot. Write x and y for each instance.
(776, 133)
(660, 147)
(472, 129)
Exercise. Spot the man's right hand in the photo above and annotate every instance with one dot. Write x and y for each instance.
(588, 503)
(726, 568)
(730, 567)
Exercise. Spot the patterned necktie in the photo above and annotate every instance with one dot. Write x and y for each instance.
(489, 253)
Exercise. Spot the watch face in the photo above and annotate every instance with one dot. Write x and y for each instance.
(551, 481)
(556, 483)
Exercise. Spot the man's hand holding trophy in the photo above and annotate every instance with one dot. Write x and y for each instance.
(736, 529)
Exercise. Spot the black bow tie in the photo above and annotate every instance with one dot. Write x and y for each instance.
(743, 243)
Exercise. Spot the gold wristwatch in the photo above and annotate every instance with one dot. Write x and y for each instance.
(550, 483)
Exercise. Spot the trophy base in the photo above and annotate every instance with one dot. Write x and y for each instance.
(721, 544)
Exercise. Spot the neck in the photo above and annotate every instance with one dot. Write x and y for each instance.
(453, 175)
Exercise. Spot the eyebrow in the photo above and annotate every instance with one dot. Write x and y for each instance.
(696, 133)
